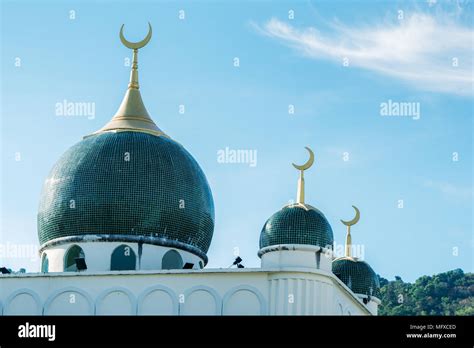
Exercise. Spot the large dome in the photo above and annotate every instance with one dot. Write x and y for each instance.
(129, 186)
(297, 224)
(357, 275)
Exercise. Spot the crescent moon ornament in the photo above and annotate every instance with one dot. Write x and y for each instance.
(354, 220)
(308, 164)
(302, 168)
(135, 45)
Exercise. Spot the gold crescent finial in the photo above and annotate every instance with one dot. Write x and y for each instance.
(308, 164)
(302, 168)
(350, 223)
(132, 114)
(354, 220)
(135, 45)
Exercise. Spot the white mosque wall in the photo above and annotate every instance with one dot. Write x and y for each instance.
(98, 255)
(296, 255)
(372, 305)
(182, 292)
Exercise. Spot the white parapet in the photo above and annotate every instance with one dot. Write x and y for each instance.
(245, 291)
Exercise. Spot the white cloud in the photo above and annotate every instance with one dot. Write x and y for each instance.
(419, 49)
(449, 189)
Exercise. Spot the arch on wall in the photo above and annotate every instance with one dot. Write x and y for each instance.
(348, 310)
(142, 297)
(59, 292)
(106, 292)
(172, 260)
(70, 256)
(253, 290)
(338, 306)
(123, 258)
(22, 291)
(206, 289)
(44, 263)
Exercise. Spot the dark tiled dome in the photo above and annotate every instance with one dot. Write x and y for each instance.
(297, 224)
(128, 184)
(357, 275)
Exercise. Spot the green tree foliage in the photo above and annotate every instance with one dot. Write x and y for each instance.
(448, 293)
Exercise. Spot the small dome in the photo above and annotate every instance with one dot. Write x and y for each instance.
(357, 275)
(297, 224)
(128, 186)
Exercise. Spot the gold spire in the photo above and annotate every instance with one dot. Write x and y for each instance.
(132, 114)
(348, 252)
(302, 168)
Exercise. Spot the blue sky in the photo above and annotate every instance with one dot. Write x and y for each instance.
(422, 55)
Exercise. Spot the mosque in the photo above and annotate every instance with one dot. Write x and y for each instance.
(126, 217)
